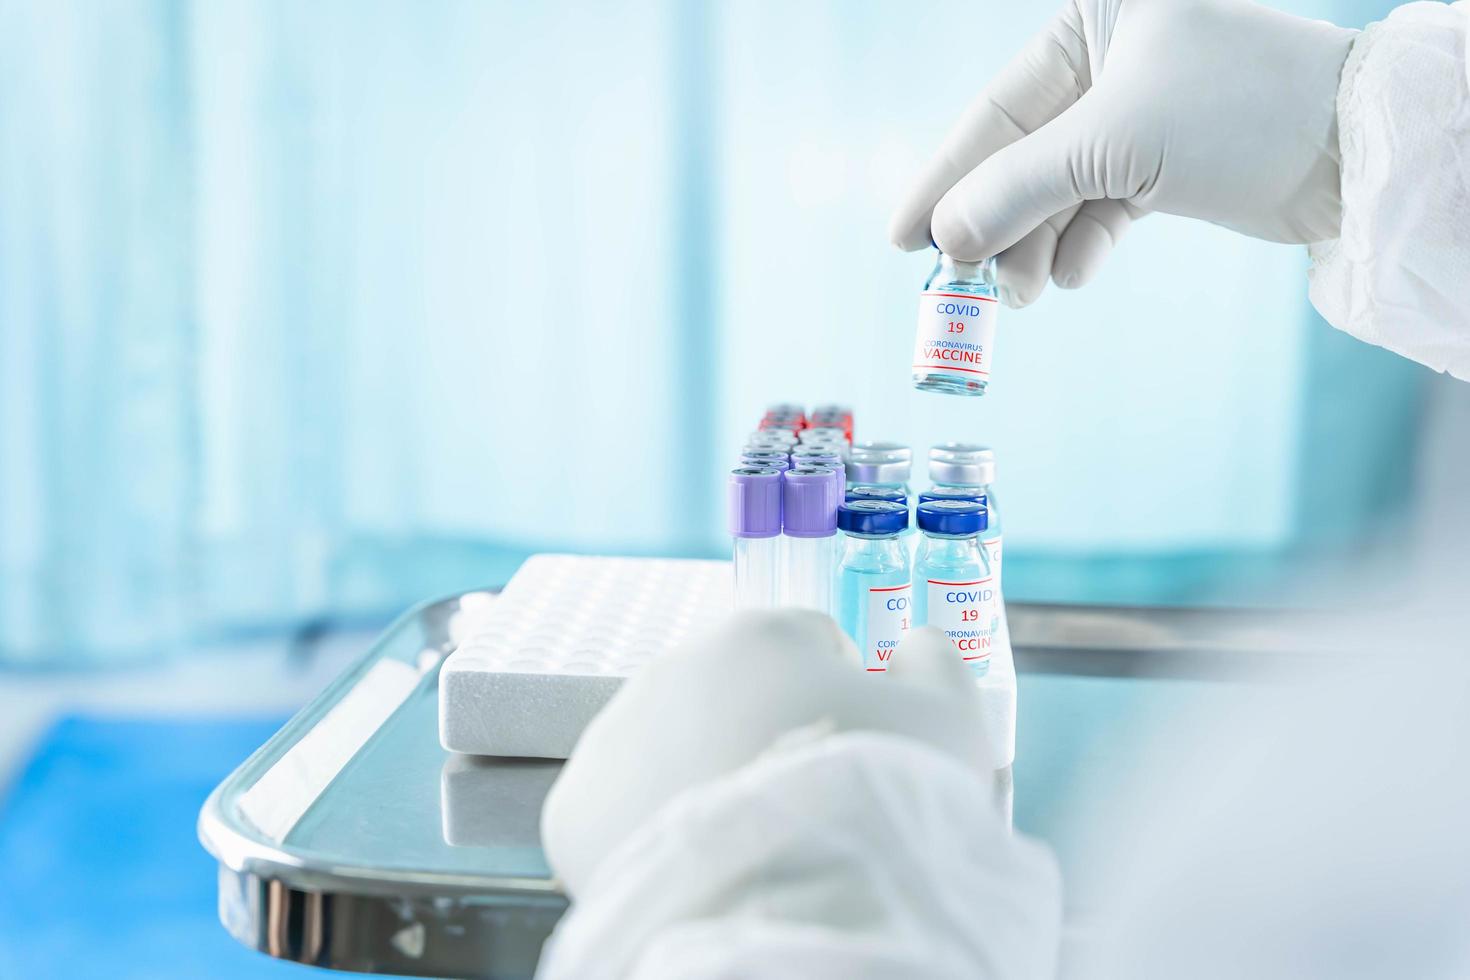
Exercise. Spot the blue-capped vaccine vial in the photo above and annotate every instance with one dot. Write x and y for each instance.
(956, 331)
(883, 465)
(968, 469)
(953, 587)
(880, 464)
(873, 589)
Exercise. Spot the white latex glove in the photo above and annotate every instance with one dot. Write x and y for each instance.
(756, 804)
(725, 698)
(1211, 109)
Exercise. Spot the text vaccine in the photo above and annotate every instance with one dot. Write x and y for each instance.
(954, 344)
(953, 587)
(874, 594)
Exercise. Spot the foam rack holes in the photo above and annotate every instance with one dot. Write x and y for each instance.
(586, 624)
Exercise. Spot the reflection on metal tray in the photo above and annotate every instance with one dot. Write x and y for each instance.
(351, 840)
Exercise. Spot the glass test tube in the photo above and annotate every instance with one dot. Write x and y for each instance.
(836, 471)
(754, 516)
(809, 527)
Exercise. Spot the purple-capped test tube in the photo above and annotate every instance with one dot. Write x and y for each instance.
(810, 498)
(753, 499)
(801, 455)
(836, 471)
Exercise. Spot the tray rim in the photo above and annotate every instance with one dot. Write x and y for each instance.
(1113, 641)
(244, 850)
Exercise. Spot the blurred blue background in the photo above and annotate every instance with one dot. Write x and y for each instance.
(312, 311)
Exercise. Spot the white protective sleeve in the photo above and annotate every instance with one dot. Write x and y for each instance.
(1399, 276)
(853, 855)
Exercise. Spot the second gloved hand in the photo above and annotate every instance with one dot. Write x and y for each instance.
(757, 805)
(714, 706)
(1215, 109)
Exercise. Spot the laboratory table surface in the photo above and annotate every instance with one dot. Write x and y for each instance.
(352, 840)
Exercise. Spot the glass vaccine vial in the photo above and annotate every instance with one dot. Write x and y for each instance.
(953, 587)
(873, 588)
(753, 501)
(956, 333)
(809, 501)
(969, 468)
(888, 465)
(880, 464)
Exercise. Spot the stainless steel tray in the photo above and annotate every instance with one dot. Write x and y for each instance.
(351, 840)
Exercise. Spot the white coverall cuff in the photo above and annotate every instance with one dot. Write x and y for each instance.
(854, 855)
(1399, 275)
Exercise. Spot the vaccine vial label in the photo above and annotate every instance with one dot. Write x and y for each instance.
(992, 557)
(888, 620)
(968, 613)
(956, 334)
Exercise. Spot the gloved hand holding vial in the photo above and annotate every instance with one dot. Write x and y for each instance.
(1279, 127)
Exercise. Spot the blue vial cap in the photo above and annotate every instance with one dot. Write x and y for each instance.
(976, 494)
(957, 517)
(893, 494)
(872, 517)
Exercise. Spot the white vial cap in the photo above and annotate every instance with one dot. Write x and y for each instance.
(962, 464)
(882, 452)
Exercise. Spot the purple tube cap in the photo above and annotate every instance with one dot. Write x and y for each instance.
(809, 501)
(753, 499)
